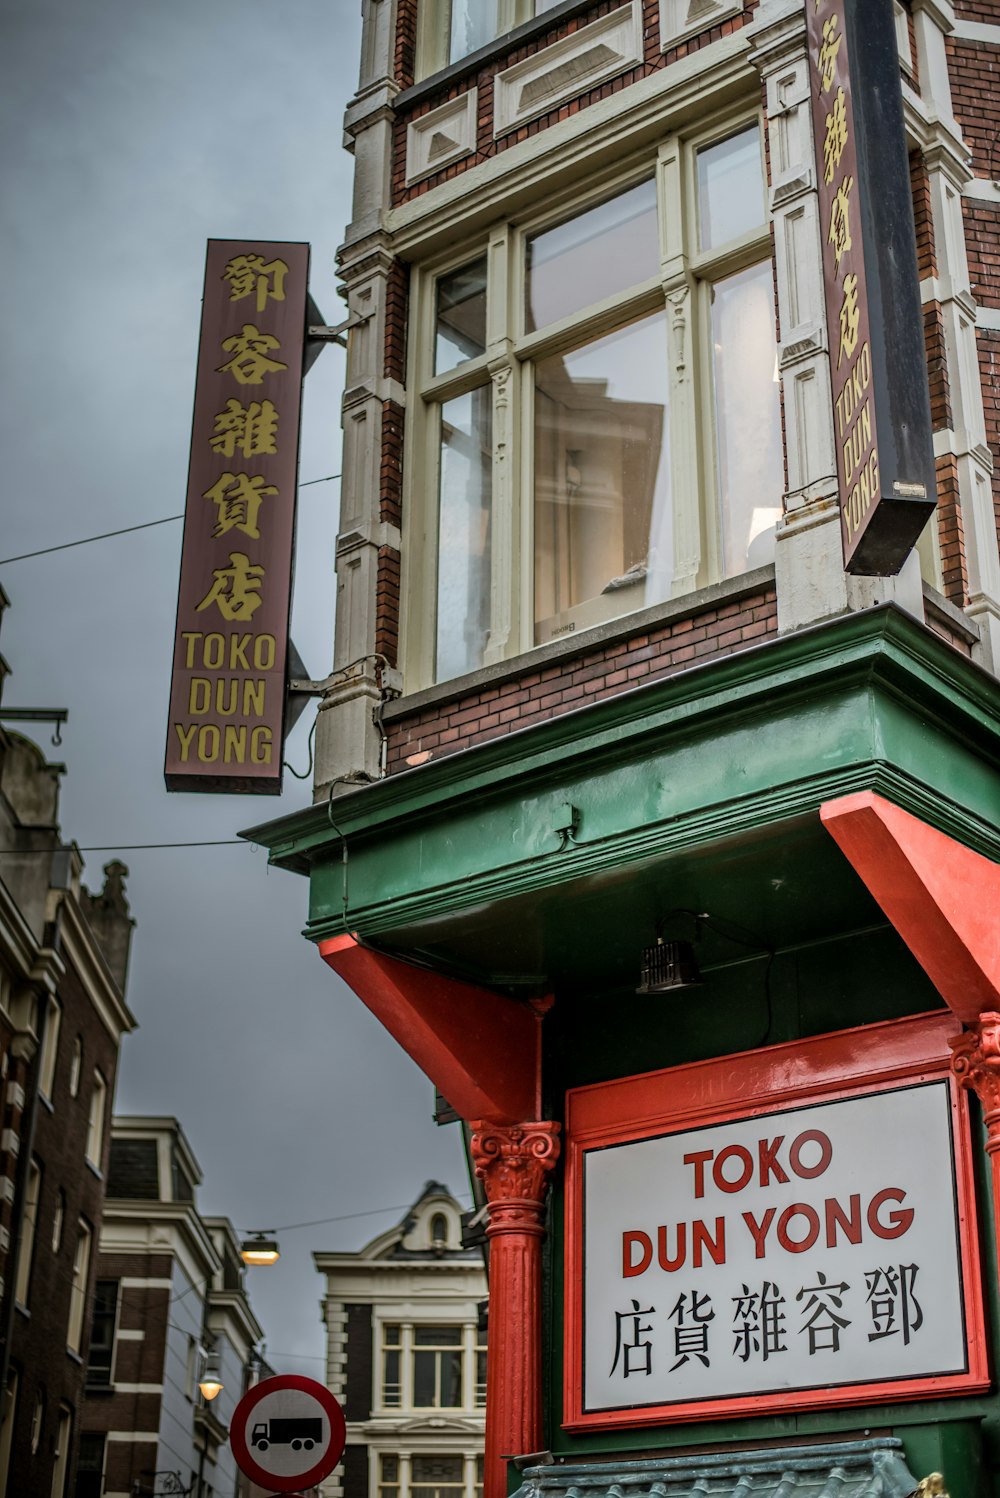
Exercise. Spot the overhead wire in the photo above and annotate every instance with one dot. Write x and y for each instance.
(126, 530)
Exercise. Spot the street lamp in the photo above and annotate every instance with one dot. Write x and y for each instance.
(259, 1249)
(210, 1384)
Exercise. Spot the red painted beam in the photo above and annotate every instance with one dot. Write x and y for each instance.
(942, 898)
(480, 1049)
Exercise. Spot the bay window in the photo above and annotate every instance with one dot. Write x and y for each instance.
(596, 426)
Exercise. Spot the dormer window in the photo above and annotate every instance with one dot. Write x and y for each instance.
(439, 1230)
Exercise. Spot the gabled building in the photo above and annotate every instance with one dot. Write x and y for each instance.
(171, 1306)
(658, 777)
(63, 969)
(405, 1322)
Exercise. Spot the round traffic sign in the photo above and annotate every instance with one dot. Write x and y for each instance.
(287, 1433)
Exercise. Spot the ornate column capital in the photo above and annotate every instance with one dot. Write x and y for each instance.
(975, 1062)
(515, 1161)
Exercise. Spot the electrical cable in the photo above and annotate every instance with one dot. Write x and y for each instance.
(127, 530)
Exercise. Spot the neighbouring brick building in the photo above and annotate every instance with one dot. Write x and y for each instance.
(406, 1357)
(657, 795)
(63, 966)
(170, 1304)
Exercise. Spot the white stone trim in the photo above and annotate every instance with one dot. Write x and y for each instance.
(567, 68)
(680, 19)
(989, 319)
(982, 189)
(977, 31)
(443, 135)
(568, 150)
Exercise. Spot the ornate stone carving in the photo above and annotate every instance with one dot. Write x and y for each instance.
(975, 1062)
(515, 1162)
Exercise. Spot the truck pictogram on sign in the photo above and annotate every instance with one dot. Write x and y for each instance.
(301, 1435)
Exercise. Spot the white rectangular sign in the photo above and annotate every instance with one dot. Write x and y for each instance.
(811, 1248)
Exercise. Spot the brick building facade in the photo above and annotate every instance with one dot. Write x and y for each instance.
(63, 968)
(170, 1304)
(631, 797)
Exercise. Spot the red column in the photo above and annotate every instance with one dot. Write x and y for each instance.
(976, 1063)
(514, 1161)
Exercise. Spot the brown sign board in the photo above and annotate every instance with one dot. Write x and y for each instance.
(881, 406)
(227, 698)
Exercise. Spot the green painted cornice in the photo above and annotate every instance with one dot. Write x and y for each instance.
(872, 700)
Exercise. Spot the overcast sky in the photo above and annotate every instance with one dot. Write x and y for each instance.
(130, 132)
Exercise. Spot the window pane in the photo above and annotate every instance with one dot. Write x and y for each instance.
(603, 532)
(425, 1379)
(748, 419)
(391, 1386)
(437, 1336)
(463, 584)
(473, 24)
(460, 324)
(605, 250)
(437, 1468)
(730, 189)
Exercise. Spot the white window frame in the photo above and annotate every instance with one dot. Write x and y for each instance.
(29, 1231)
(50, 1048)
(402, 1487)
(434, 29)
(64, 1441)
(470, 1345)
(95, 1119)
(681, 289)
(76, 1066)
(78, 1287)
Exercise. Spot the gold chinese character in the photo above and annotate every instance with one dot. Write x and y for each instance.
(236, 589)
(239, 499)
(249, 350)
(827, 59)
(253, 429)
(836, 137)
(840, 221)
(247, 273)
(850, 319)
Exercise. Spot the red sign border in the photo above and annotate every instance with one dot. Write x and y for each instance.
(241, 1421)
(825, 1068)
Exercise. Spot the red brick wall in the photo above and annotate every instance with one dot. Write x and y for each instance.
(602, 672)
(975, 82)
(975, 88)
(483, 80)
(988, 344)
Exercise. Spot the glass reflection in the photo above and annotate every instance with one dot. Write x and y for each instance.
(464, 494)
(748, 417)
(460, 320)
(473, 24)
(730, 189)
(603, 529)
(597, 253)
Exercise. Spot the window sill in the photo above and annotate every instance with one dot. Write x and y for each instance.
(95, 1170)
(570, 646)
(472, 61)
(74, 1357)
(46, 1101)
(22, 1309)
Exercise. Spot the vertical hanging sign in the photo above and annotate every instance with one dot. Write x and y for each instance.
(227, 698)
(881, 406)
